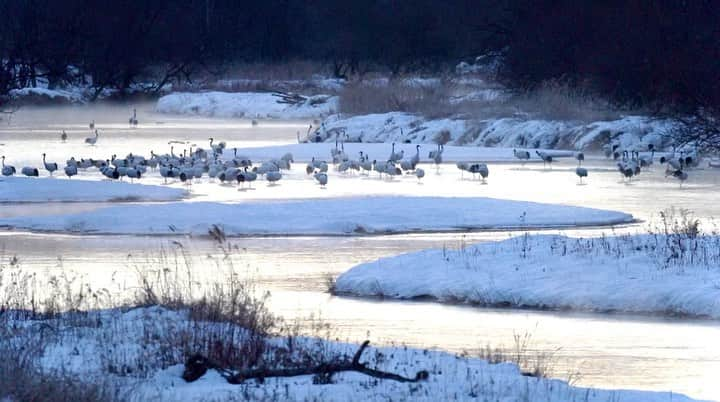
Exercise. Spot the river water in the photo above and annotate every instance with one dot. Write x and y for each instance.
(609, 351)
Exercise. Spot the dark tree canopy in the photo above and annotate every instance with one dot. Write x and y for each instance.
(652, 52)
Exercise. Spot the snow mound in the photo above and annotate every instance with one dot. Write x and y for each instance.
(244, 105)
(344, 216)
(27, 189)
(638, 274)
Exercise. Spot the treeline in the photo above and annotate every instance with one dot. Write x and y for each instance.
(640, 52)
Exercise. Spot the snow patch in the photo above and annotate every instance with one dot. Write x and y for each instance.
(244, 105)
(323, 217)
(27, 189)
(638, 274)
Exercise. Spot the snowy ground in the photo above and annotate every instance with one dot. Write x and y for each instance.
(244, 104)
(336, 216)
(139, 353)
(671, 274)
(28, 189)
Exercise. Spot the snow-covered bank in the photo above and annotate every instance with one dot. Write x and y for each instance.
(27, 189)
(672, 274)
(338, 216)
(245, 104)
(44, 95)
(138, 354)
(630, 132)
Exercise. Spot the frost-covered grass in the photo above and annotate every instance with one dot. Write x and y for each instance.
(132, 344)
(675, 270)
(335, 216)
(28, 189)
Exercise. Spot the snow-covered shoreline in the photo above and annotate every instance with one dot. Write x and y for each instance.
(340, 216)
(38, 190)
(245, 105)
(648, 274)
(132, 352)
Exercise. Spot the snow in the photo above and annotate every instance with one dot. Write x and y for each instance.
(28, 189)
(632, 273)
(631, 132)
(244, 104)
(138, 354)
(335, 216)
(70, 95)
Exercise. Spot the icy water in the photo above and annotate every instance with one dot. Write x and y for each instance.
(610, 351)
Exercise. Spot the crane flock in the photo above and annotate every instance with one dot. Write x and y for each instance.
(216, 163)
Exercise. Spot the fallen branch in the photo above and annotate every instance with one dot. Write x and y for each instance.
(197, 365)
(289, 98)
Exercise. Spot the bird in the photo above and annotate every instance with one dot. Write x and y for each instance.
(50, 166)
(365, 164)
(395, 156)
(522, 155)
(273, 177)
(463, 166)
(7, 170)
(627, 169)
(92, 125)
(133, 119)
(580, 157)
(241, 180)
(436, 156)
(322, 178)
(133, 173)
(581, 172)
(250, 177)
(218, 149)
(479, 168)
(680, 175)
(71, 170)
(30, 171)
(547, 159)
(419, 173)
(92, 140)
(410, 164)
(63, 136)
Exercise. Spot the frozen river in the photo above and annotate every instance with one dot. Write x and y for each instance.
(610, 351)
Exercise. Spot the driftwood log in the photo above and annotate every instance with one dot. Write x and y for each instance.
(289, 98)
(196, 366)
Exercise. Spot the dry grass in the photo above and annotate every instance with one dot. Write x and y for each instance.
(397, 95)
(21, 381)
(532, 362)
(556, 100)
